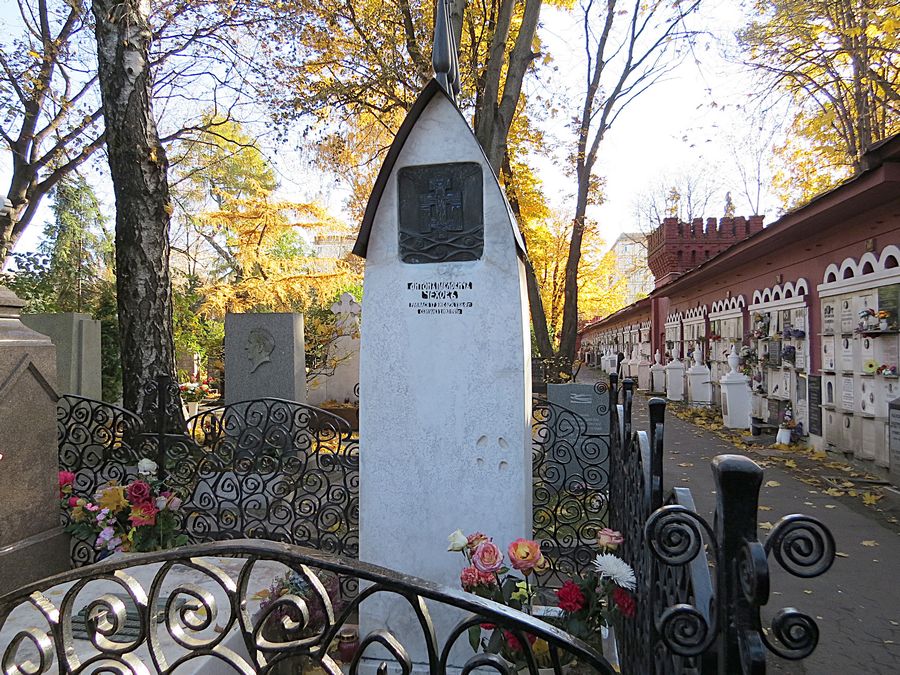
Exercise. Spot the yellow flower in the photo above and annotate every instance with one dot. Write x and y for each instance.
(112, 498)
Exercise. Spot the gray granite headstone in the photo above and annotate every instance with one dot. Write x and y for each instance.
(264, 357)
(583, 400)
(77, 341)
(32, 543)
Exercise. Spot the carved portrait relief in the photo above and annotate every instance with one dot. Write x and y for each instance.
(259, 347)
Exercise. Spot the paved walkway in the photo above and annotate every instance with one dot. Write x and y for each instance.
(857, 602)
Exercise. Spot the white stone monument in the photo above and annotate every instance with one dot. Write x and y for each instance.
(675, 380)
(736, 395)
(657, 375)
(643, 372)
(340, 381)
(699, 380)
(633, 362)
(445, 381)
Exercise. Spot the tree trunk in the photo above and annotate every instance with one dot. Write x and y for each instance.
(138, 166)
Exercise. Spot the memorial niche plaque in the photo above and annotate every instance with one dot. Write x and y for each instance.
(441, 216)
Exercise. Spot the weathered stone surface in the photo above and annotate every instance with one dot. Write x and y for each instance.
(264, 356)
(32, 544)
(77, 340)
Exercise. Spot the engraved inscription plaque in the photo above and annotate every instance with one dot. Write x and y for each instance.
(441, 216)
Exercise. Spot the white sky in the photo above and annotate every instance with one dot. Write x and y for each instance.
(679, 125)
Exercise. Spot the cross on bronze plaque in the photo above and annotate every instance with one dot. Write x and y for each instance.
(441, 213)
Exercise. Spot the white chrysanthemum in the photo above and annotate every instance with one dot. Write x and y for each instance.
(616, 570)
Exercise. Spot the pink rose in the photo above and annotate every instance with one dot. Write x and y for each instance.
(487, 557)
(524, 554)
(610, 539)
(143, 514)
(471, 577)
(474, 539)
(138, 492)
(66, 479)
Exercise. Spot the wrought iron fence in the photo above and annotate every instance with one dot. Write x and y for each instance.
(138, 614)
(570, 469)
(265, 468)
(280, 470)
(684, 623)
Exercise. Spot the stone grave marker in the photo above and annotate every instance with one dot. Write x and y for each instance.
(894, 439)
(77, 341)
(340, 383)
(445, 381)
(585, 401)
(264, 357)
(32, 543)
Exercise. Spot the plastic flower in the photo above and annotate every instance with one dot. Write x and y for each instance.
(458, 541)
(143, 514)
(138, 492)
(487, 557)
(66, 479)
(524, 554)
(147, 467)
(513, 642)
(570, 598)
(616, 570)
(521, 593)
(609, 539)
(112, 498)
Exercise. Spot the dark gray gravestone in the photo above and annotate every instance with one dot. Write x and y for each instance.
(815, 404)
(584, 401)
(894, 438)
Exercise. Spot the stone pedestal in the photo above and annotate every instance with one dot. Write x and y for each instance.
(643, 370)
(32, 543)
(675, 380)
(264, 357)
(77, 341)
(657, 375)
(445, 381)
(736, 395)
(699, 380)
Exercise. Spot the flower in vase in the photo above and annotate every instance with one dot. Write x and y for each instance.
(471, 577)
(524, 554)
(625, 602)
(143, 514)
(570, 598)
(458, 541)
(138, 492)
(616, 570)
(487, 557)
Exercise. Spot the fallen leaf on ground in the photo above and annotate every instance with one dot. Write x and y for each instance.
(773, 483)
(791, 464)
(841, 554)
(833, 492)
(830, 506)
(870, 499)
(766, 525)
(765, 508)
(685, 464)
(870, 543)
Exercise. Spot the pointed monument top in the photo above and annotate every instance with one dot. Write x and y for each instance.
(444, 58)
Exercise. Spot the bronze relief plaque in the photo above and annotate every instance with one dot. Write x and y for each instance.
(441, 213)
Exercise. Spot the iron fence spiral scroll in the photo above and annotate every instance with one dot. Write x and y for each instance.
(570, 471)
(206, 593)
(96, 442)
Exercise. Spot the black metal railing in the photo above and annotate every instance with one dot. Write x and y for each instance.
(570, 470)
(280, 470)
(265, 468)
(684, 623)
(159, 611)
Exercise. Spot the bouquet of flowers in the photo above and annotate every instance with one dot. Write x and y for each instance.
(294, 583)
(585, 605)
(138, 516)
(194, 392)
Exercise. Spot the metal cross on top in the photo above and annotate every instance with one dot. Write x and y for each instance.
(444, 58)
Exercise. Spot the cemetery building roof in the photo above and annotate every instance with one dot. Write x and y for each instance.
(432, 89)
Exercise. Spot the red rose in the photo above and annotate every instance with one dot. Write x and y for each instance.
(513, 642)
(138, 492)
(570, 598)
(73, 501)
(625, 602)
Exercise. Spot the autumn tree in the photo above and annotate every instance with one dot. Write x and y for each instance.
(627, 47)
(684, 195)
(839, 62)
(204, 53)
